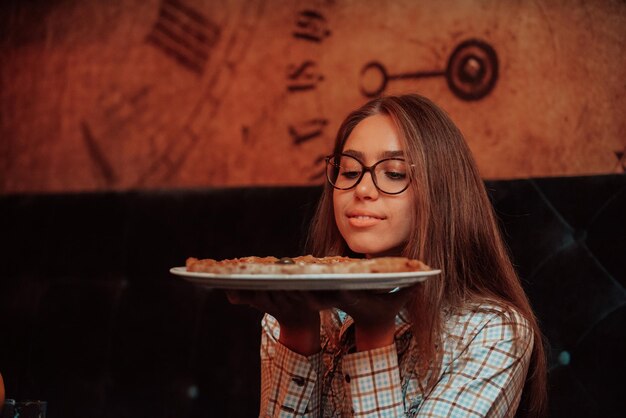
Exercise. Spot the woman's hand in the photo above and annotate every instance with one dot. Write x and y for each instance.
(296, 312)
(374, 314)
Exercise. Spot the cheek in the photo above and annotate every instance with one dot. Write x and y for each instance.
(338, 203)
(404, 219)
(405, 228)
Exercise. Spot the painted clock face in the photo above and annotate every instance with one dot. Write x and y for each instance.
(184, 93)
(159, 104)
(309, 66)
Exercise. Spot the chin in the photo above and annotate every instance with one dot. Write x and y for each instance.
(375, 249)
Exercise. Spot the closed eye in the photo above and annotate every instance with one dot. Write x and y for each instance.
(350, 174)
(395, 175)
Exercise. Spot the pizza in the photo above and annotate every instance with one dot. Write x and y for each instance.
(306, 264)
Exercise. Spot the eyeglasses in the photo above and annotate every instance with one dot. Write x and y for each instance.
(390, 175)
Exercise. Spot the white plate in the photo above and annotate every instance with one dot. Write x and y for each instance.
(351, 281)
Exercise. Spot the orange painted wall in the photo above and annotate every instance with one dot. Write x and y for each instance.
(115, 95)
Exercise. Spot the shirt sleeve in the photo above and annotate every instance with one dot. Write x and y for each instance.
(487, 379)
(372, 379)
(289, 381)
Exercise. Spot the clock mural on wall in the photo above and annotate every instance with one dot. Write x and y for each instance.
(194, 50)
(185, 93)
(471, 72)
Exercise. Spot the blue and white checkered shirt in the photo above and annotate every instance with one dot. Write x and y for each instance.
(482, 374)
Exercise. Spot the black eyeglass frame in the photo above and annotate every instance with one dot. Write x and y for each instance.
(366, 169)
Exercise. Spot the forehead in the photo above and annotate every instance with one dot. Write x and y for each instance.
(373, 137)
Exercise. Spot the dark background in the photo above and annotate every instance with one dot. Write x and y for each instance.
(92, 321)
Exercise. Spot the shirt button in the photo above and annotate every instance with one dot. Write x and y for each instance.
(347, 378)
(298, 380)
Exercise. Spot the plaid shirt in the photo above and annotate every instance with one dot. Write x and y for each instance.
(483, 370)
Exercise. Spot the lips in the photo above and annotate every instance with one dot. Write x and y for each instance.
(362, 219)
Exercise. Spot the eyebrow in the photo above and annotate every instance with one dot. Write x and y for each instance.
(383, 155)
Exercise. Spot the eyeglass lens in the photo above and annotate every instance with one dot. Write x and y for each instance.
(345, 172)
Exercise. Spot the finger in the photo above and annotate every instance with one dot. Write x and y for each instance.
(346, 300)
(402, 294)
(352, 297)
(235, 296)
(358, 300)
(280, 298)
(265, 301)
(325, 299)
(256, 299)
(302, 299)
(394, 293)
(287, 301)
(321, 300)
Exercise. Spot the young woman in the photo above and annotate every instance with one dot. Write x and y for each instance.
(402, 181)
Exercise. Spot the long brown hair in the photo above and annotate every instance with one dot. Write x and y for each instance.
(454, 228)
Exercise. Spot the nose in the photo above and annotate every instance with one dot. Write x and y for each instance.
(366, 189)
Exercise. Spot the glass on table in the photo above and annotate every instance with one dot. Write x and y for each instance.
(24, 409)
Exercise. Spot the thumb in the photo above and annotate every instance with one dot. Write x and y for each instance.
(236, 297)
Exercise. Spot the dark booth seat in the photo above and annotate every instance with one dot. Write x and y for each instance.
(93, 322)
